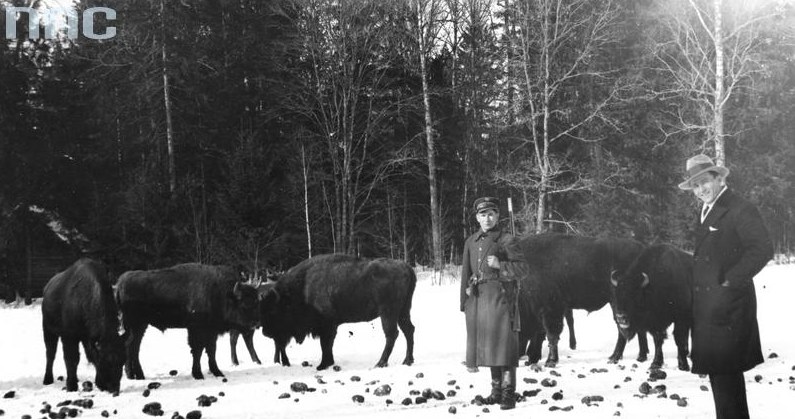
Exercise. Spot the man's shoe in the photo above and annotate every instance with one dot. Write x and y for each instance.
(496, 392)
(508, 389)
(508, 402)
(472, 369)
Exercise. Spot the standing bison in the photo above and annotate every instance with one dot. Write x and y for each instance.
(654, 292)
(280, 354)
(320, 293)
(563, 272)
(78, 307)
(206, 300)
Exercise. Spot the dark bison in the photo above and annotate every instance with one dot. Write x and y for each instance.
(653, 292)
(78, 307)
(280, 354)
(320, 293)
(566, 272)
(206, 300)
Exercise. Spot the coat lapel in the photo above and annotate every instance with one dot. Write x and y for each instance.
(718, 211)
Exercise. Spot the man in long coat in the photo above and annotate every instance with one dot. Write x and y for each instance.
(488, 302)
(731, 247)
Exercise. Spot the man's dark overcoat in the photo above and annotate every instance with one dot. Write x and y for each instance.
(491, 338)
(732, 245)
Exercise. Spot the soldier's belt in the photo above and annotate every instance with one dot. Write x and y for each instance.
(475, 280)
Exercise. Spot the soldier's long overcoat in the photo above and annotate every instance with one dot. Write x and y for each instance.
(732, 245)
(491, 338)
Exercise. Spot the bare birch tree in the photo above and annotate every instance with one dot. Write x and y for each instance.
(707, 51)
(305, 176)
(556, 43)
(172, 171)
(429, 15)
(471, 36)
(343, 98)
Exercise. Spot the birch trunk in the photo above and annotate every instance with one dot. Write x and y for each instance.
(306, 200)
(717, 123)
(172, 173)
(435, 223)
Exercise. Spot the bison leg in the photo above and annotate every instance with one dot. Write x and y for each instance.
(532, 334)
(283, 353)
(553, 325)
(132, 365)
(327, 336)
(658, 338)
(71, 357)
(681, 333)
(280, 352)
(91, 354)
(233, 335)
(570, 325)
(552, 356)
(51, 345)
(248, 338)
(390, 327)
(533, 349)
(210, 347)
(196, 342)
(643, 346)
(618, 351)
(404, 322)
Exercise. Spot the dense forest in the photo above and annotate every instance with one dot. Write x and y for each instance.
(258, 132)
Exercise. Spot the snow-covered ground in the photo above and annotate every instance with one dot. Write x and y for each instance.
(253, 391)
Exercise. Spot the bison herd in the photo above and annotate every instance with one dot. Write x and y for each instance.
(647, 287)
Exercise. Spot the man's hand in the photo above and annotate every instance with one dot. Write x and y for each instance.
(493, 262)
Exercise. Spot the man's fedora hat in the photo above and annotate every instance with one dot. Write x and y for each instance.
(486, 203)
(698, 165)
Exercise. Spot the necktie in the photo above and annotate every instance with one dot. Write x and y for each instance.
(704, 212)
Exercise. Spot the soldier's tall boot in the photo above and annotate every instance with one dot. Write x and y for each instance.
(496, 386)
(508, 388)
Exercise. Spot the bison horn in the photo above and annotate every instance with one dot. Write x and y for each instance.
(645, 280)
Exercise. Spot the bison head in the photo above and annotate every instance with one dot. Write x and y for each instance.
(627, 296)
(272, 311)
(284, 318)
(242, 308)
(109, 357)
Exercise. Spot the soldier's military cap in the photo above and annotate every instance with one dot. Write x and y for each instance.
(486, 203)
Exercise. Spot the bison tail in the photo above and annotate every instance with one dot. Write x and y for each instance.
(411, 286)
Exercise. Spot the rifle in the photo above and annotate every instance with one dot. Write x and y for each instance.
(510, 214)
(516, 317)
